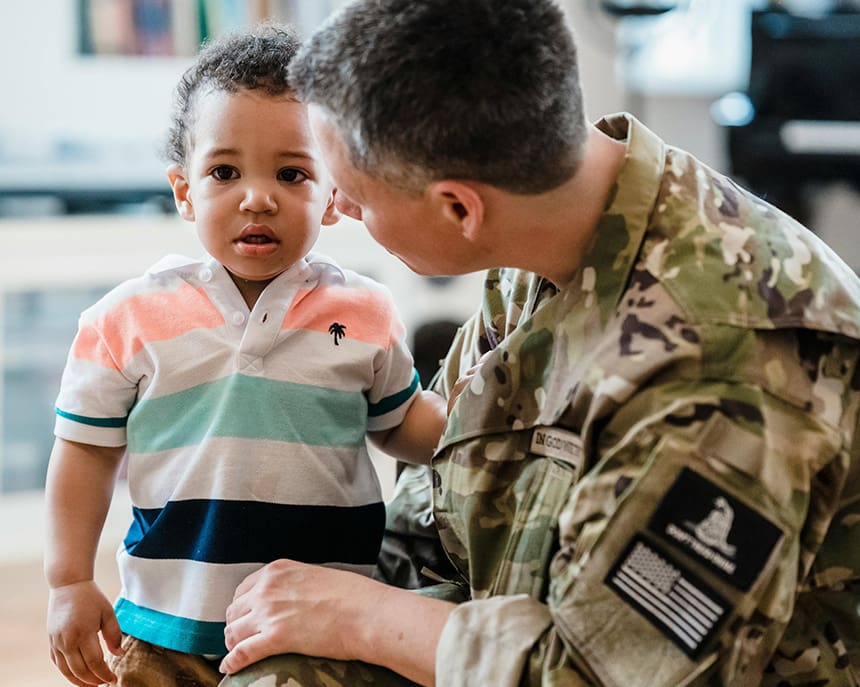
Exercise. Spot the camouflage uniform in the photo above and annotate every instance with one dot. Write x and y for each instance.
(654, 478)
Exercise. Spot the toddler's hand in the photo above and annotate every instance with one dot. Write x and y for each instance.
(463, 381)
(77, 612)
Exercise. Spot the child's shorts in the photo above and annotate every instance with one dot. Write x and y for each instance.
(146, 665)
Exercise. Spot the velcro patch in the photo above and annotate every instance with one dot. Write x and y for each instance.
(681, 606)
(716, 528)
(553, 442)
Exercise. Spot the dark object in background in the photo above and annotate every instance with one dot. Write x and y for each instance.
(804, 107)
(430, 343)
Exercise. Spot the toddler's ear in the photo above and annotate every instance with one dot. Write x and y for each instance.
(332, 214)
(181, 191)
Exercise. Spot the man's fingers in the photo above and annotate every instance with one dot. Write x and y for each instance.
(237, 609)
(246, 584)
(239, 628)
(246, 652)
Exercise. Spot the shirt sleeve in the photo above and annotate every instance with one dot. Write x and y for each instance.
(95, 397)
(396, 382)
(685, 539)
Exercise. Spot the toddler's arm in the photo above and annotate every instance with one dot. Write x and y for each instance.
(80, 484)
(415, 439)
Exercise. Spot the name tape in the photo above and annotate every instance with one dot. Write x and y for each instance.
(553, 442)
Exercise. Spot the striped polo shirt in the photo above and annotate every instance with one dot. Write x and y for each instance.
(244, 429)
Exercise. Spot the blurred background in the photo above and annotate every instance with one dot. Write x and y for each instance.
(765, 91)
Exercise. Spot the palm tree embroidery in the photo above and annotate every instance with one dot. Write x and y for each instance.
(338, 331)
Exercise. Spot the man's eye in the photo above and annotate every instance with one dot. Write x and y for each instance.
(291, 175)
(224, 173)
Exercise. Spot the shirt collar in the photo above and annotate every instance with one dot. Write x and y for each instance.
(313, 267)
(173, 263)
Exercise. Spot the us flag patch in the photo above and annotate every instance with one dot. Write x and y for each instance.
(680, 605)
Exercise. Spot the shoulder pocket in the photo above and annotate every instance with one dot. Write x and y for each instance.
(684, 555)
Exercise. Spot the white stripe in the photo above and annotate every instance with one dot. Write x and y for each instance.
(274, 472)
(658, 606)
(821, 136)
(316, 351)
(718, 610)
(189, 589)
(695, 604)
(657, 597)
(88, 434)
(656, 611)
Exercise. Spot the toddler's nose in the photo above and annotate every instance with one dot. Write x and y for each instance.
(258, 198)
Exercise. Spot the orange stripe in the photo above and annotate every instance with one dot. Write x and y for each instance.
(139, 320)
(366, 315)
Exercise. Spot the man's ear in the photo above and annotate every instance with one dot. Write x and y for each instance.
(461, 204)
(181, 191)
(331, 214)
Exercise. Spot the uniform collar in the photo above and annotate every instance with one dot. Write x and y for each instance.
(607, 264)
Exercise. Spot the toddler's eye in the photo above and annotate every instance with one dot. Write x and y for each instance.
(291, 175)
(224, 173)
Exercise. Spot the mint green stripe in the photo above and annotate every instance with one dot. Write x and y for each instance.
(389, 403)
(171, 631)
(93, 421)
(249, 408)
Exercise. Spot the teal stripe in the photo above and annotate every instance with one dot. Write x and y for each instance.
(249, 408)
(171, 631)
(93, 421)
(389, 403)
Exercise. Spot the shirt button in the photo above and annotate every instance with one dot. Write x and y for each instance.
(237, 318)
(205, 274)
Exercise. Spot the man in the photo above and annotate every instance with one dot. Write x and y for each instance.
(650, 474)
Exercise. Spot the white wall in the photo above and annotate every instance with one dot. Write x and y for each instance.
(121, 104)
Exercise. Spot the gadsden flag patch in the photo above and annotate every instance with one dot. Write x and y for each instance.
(710, 524)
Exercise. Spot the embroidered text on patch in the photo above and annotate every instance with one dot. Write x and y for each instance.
(553, 442)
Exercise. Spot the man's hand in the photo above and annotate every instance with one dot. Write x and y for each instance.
(464, 380)
(77, 612)
(290, 607)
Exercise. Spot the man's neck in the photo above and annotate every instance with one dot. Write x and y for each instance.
(549, 233)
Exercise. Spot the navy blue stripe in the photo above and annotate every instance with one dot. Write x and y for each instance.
(93, 421)
(215, 531)
(389, 403)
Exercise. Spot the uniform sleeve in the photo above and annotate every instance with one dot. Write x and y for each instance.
(95, 397)
(680, 552)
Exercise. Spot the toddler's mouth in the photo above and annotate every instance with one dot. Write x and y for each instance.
(256, 238)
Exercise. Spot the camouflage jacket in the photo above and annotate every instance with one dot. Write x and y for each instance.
(654, 477)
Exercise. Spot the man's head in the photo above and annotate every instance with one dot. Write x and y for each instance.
(427, 90)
